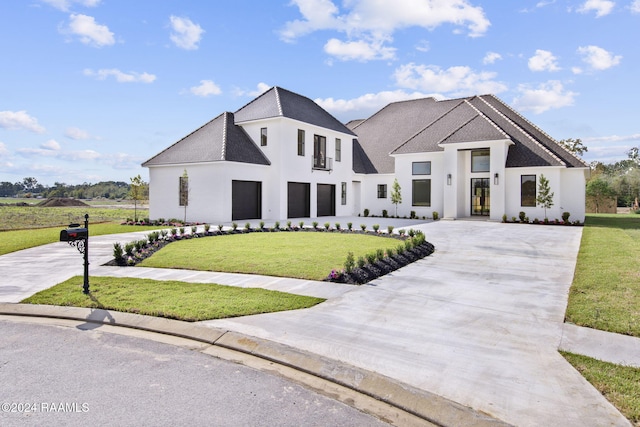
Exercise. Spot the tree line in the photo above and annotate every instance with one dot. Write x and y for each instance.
(30, 187)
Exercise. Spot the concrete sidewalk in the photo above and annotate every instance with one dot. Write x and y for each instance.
(479, 322)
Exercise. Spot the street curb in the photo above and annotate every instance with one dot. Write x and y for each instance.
(423, 404)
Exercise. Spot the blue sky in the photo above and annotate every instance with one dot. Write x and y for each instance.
(89, 89)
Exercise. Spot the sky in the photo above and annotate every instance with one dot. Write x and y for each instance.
(90, 89)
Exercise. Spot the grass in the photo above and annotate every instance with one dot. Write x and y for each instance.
(605, 293)
(11, 241)
(175, 300)
(619, 384)
(303, 255)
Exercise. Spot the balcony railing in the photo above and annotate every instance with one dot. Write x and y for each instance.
(322, 163)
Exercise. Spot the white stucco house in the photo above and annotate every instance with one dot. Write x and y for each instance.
(283, 156)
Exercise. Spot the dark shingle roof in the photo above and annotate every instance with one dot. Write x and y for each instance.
(278, 102)
(218, 140)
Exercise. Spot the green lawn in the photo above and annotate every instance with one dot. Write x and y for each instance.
(619, 384)
(304, 255)
(11, 241)
(175, 300)
(606, 288)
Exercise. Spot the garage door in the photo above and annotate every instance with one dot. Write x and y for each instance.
(299, 200)
(246, 200)
(326, 200)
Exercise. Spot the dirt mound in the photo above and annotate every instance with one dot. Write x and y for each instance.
(61, 202)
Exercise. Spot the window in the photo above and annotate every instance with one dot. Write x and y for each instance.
(382, 191)
(300, 142)
(421, 192)
(338, 149)
(480, 161)
(319, 152)
(263, 137)
(528, 190)
(184, 190)
(344, 193)
(421, 168)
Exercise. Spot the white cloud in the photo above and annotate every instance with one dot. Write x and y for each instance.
(19, 120)
(186, 34)
(598, 58)
(4, 151)
(613, 138)
(546, 96)
(89, 31)
(635, 6)
(51, 144)
(260, 89)
(64, 5)
(131, 77)
(601, 7)
(359, 50)
(365, 105)
(206, 88)
(543, 60)
(77, 134)
(457, 81)
(491, 57)
(369, 24)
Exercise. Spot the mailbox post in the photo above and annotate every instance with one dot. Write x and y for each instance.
(79, 237)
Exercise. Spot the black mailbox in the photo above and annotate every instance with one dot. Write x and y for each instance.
(73, 234)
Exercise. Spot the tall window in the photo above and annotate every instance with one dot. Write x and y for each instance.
(300, 142)
(421, 168)
(319, 152)
(344, 193)
(338, 149)
(528, 190)
(263, 137)
(480, 161)
(184, 190)
(421, 192)
(382, 191)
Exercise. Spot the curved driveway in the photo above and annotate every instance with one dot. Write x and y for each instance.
(478, 322)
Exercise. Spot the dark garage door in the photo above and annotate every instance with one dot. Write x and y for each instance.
(246, 200)
(299, 200)
(326, 200)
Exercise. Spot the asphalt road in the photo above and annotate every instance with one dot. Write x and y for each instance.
(55, 375)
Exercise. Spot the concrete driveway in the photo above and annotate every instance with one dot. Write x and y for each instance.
(478, 322)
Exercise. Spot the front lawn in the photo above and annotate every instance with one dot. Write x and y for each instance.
(174, 300)
(303, 255)
(605, 293)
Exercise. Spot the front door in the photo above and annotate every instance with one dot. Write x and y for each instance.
(480, 199)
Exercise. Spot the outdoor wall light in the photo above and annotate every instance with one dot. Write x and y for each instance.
(495, 178)
(448, 179)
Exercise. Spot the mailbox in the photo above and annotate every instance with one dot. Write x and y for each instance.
(73, 234)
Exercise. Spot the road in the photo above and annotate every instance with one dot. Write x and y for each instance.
(78, 376)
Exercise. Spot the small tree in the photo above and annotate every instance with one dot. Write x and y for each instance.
(545, 195)
(599, 190)
(575, 146)
(136, 192)
(184, 192)
(396, 195)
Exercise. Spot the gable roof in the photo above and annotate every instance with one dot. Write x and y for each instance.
(279, 102)
(426, 125)
(218, 140)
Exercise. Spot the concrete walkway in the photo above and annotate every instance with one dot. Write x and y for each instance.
(479, 322)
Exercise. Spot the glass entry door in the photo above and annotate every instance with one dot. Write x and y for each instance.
(480, 199)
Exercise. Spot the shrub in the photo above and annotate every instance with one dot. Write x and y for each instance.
(247, 225)
(390, 229)
(411, 232)
(234, 226)
(118, 252)
(301, 224)
(390, 252)
(288, 224)
(401, 232)
(546, 220)
(513, 219)
(337, 225)
(181, 231)
(261, 225)
(327, 226)
(379, 254)
(521, 216)
(164, 233)
(400, 248)
(413, 215)
(349, 263)
(315, 224)
(565, 217)
(408, 244)
(363, 227)
(220, 227)
(536, 221)
(371, 257)
(194, 229)
(350, 226)
(174, 231)
(207, 227)
(276, 225)
(385, 214)
(376, 227)
(361, 262)
(140, 244)
(435, 215)
(504, 217)
(366, 212)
